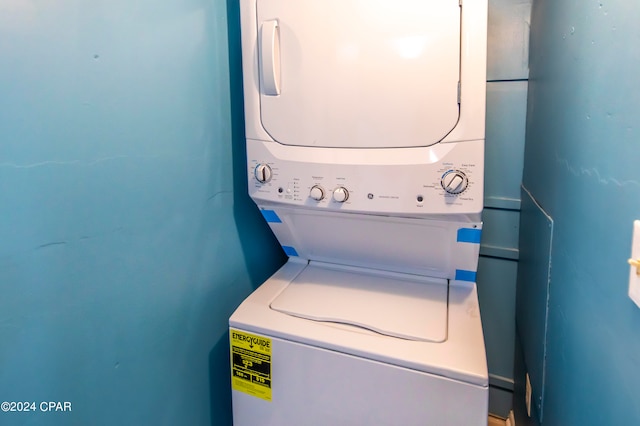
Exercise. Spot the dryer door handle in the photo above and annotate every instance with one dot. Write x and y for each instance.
(270, 57)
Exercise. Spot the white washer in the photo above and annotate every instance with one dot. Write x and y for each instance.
(328, 373)
(365, 145)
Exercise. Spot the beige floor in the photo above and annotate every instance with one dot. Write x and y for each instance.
(495, 421)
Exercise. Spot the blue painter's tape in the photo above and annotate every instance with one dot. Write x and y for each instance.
(270, 216)
(290, 251)
(462, 275)
(469, 235)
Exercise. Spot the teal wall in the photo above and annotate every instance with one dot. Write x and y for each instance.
(579, 330)
(126, 239)
(507, 74)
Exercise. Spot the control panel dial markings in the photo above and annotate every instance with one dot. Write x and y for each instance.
(317, 193)
(454, 181)
(263, 173)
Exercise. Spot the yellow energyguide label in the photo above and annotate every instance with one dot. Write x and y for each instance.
(251, 364)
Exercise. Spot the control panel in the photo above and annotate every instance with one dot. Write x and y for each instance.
(443, 179)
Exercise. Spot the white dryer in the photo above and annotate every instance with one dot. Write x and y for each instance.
(365, 146)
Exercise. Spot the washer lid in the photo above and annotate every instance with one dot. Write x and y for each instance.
(397, 305)
(359, 74)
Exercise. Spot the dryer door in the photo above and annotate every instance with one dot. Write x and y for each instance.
(359, 74)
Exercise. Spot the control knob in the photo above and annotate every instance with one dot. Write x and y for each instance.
(340, 194)
(454, 181)
(263, 173)
(317, 193)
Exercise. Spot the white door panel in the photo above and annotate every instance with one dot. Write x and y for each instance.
(383, 76)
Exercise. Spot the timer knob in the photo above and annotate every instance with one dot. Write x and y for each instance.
(263, 173)
(454, 181)
(317, 193)
(340, 194)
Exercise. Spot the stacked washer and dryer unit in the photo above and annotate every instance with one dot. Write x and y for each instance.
(365, 145)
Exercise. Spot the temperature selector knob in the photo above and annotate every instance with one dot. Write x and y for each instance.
(454, 181)
(340, 194)
(263, 173)
(317, 193)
